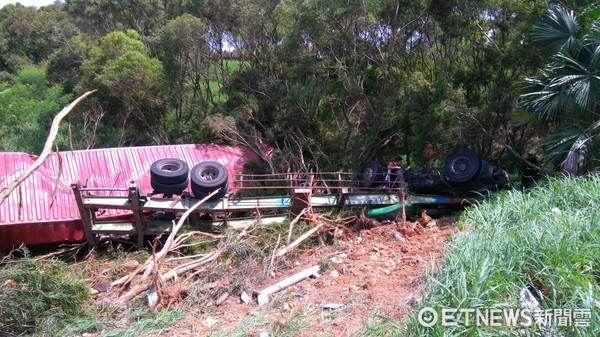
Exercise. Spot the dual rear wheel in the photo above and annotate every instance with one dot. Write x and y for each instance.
(171, 176)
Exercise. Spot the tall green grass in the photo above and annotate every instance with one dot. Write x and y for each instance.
(546, 240)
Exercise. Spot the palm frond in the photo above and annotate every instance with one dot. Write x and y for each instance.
(568, 87)
(545, 99)
(593, 35)
(522, 117)
(568, 149)
(557, 31)
(578, 156)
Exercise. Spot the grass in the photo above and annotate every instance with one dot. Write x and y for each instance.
(141, 322)
(546, 240)
(40, 297)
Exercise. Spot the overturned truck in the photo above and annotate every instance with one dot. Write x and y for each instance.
(464, 174)
(137, 192)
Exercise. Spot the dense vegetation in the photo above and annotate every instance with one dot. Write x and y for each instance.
(328, 84)
(545, 240)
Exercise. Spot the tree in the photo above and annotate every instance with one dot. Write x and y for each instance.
(565, 96)
(131, 86)
(29, 35)
(27, 109)
(100, 17)
(16, 47)
(194, 71)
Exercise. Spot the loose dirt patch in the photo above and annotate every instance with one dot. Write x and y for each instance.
(374, 271)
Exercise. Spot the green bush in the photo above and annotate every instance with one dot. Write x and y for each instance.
(39, 296)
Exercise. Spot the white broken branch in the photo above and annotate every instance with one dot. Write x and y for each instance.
(263, 296)
(47, 147)
(169, 243)
(139, 288)
(299, 240)
(293, 222)
(148, 265)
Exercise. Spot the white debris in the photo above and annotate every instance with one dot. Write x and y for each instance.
(332, 306)
(245, 297)
(210, 322)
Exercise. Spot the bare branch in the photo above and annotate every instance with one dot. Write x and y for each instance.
(47, 148)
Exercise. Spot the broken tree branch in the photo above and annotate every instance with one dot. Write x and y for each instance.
(139, 288)
(299, 240)
(296, 219)
(47, 147)
(169, 243)
(148, 265)
(263, 296)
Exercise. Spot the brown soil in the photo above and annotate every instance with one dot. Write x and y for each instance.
(375, 271)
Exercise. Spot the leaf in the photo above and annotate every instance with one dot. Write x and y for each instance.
(569, 148)
(557, 31)
(592, 12)
(522, 117)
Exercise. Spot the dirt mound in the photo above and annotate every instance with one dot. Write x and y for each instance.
(379, 270)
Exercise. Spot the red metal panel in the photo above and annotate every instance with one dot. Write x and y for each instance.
(30, 216)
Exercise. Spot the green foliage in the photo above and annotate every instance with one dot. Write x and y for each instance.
(40, 296)
(133, 85)
(566, 93)
(26, 112)
(545, 240)
(28, 35)
(329, 84)
(104, 16)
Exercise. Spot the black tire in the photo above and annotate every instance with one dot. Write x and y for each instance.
(169, 171)
(372, 175)
(462, 166)
(176, 188)
(207, 177)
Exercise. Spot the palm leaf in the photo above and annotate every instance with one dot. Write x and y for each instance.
(522, 117)
(557, 31)
(578, 156)
(593, 35)
(544, 98)
(569, 149)
(569, 87)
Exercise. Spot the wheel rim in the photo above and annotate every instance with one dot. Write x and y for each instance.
(461, 165)
(208, 173)
(170, 167)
